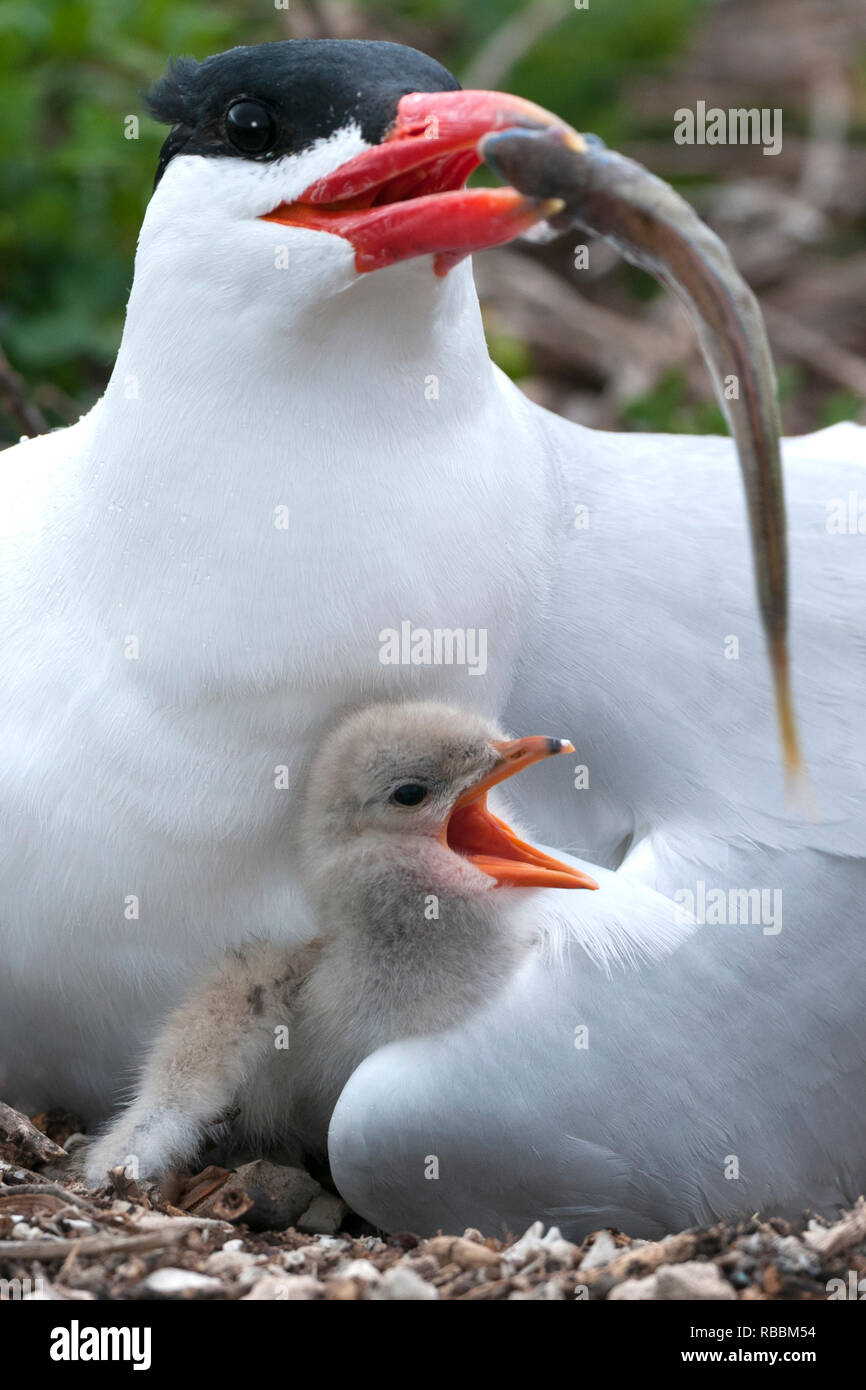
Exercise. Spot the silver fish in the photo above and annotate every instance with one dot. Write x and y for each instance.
(654, 228)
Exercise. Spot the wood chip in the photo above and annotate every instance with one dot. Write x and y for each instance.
(200, 1186)
(466, 1254)
(847, 1232)
(24, 1136)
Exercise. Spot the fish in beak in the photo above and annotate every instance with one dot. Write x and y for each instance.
(492, 846)
(653, 227)
(405, 197)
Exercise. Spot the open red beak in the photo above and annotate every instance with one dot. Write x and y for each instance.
(493, 847)
(406, 196)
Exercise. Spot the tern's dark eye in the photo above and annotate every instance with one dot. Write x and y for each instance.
(250, 127)
(410, 794)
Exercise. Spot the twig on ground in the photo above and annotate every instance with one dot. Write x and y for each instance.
(44, 1189)
(89, 1245)
(17, 1129)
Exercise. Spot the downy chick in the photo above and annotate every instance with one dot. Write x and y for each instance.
(409, 874)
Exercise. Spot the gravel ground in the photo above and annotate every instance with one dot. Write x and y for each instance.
(267, 1231)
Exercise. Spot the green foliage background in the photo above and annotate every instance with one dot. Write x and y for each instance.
(73, 187)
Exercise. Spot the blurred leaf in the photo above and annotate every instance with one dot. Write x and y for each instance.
(72, 187)
(844, 405)
(508, 352)
(73, 190)
(666, 410)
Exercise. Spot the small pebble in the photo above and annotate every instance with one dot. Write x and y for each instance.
(179, 1283)
(427, 1266)
(549, 1291)
(403, 1285)
(601, 1252)
(234, 1263)
(534, 1243)
(359, 1269)
(461, 1252)
(324, 1216)
(690, 1280)
(282, 1288)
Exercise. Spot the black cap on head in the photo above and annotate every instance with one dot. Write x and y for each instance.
(272, 99)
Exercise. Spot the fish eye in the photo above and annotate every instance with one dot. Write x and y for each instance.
(250, 126)
(409, 794)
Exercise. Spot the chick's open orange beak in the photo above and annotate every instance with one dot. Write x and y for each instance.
(492, 846)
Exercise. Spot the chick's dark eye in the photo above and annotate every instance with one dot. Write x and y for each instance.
(409, 794)
(250, 127)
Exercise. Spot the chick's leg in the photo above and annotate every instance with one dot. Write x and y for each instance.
(207, 1054)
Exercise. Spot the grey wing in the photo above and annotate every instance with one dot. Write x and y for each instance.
(723, 1078)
